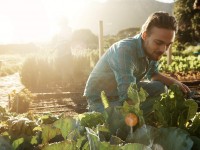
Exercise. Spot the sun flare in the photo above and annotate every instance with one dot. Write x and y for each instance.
(6, 30)
(37, 20)
(68, 9)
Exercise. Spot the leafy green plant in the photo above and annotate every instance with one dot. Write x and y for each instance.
(174, 110)
(19, 102)
(108, 130)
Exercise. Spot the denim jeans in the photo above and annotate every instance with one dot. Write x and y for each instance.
(153, 88)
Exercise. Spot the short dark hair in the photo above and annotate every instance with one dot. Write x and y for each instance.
(160, 19)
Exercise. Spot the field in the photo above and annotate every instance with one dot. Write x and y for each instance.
(45, 63)
(42, 106)
(50, 102)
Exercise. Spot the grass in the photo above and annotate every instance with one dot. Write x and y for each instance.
(10, 64)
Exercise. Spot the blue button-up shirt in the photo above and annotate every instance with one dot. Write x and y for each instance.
(124, 62)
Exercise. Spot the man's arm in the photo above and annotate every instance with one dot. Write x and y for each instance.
(169, 81)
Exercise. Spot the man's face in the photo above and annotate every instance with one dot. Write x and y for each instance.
(157, 42)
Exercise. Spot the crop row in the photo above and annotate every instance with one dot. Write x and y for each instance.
(173, 117)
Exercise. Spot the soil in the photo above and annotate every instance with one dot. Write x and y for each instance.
(70, 102)
(7, 85)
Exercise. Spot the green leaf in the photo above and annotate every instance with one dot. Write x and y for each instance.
(34, 140)
(81, 141)
(104, 99)
(135, 146)
(114, 140)
(161, 113)
(196, 145)
(68, 145)
(144, 135)
(103, 132)
(2, 110)
(38, 128)
(192, 108)
(49, 132)
(91, 119)
(93, 139)
(195, 125)
(96, 144)
(17, 142)
(115, 118)
(147, 106)
(86, 146)
(133, 94)
(173, 109)
(5, 144)
(48, 119)
(66, 125)
(167, 138)
(108, 146)
(143, 95)
(137, 96)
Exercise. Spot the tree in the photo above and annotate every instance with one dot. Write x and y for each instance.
(188, 22)
(129, 32)
(196, 4)
(84, 38)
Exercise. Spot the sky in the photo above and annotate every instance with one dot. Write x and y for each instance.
(24, 21)
(166, 1)
(37, 20)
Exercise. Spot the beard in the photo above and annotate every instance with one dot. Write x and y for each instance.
(156, 55)
(152, 54)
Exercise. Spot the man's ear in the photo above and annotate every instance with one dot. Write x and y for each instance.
(144, 35)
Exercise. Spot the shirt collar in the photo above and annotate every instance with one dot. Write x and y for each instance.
(140, 50)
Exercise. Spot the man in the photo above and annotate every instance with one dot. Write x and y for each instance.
(62, 52)
(132, 59)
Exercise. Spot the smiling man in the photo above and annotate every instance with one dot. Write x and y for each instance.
(132, 59)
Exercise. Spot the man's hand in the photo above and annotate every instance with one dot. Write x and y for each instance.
(169, 81)
(130, 102)
(182, 86)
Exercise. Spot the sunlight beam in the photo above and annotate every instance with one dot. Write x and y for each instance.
(166, 1)
(6, 30)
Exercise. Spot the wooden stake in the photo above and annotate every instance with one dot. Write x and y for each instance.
(169, 56)
(100, 38)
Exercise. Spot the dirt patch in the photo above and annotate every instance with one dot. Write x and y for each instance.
(70, 104)
(67, 102)
(7, 85)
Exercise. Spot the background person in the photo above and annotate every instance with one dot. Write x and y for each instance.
(62, 53)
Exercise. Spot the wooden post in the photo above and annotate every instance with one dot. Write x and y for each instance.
(1, 64)
(17, 109)
(169, 56)
(169, 52)
(9, 102)
(100, 38)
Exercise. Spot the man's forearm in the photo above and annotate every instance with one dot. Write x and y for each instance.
(164, 79)
(169, 81)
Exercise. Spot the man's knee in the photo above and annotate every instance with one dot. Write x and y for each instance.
(153, 88)
(159, 88)
(98, 105)
(94, 105)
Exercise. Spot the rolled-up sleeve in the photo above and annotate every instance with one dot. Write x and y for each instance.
(123, 66)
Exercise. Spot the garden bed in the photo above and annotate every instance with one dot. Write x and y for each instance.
(73, 103)
(69, 103)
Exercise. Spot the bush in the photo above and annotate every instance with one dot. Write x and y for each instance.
(19, 102)
(41, 73)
